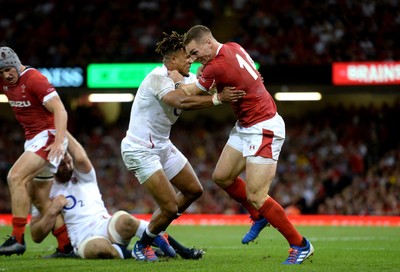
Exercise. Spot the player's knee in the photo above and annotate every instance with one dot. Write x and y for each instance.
(221, 179)
(170, 210)
(14, 178)
(36, 238)
(106, 251)
(196, 192)
(97, 247)
(217, 178)
(129, 221)
(122, 227)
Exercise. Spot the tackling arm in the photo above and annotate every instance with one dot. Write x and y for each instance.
(42, 224)
(191, 89)
(181, 100)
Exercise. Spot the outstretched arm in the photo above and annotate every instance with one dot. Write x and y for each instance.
(55, 106)
(79, 155)
(181, 100)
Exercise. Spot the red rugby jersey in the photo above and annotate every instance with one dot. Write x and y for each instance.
(233, 67)
(26, 99)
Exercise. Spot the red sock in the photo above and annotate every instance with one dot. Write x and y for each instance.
(277, 217)
(237, 191)
(18, 225)
(61, 234)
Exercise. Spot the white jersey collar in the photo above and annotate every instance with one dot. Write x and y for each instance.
(219, 48)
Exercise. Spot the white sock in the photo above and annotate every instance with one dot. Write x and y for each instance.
(142, 227)
(150, 234)
(121, 255)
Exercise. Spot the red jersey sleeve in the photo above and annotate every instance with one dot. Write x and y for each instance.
(40, 86)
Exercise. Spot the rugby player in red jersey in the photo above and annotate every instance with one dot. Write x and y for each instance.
(255, 141)
(41, 113)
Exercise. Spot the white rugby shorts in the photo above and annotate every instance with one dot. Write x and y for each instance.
(86, 230)
(264, 139)
(144, 161)
(37, 145)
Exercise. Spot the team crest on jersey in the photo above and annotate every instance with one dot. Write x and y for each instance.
(74, 180)
(5, 88)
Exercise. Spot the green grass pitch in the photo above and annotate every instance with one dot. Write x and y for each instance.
(336, 249)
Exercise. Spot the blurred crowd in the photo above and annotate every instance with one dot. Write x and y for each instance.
(75, 33)
(334, 161)
(319, 32)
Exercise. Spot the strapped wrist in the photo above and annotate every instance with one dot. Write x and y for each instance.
(215, 99)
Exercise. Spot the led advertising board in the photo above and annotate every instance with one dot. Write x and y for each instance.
(123, 75)
(120, 75)
(366, 73)
(68, 77)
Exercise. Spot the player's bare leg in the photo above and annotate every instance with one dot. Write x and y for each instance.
(23, 171)
(226, 175)
(189, 187)
(259, 179)
(165, 196)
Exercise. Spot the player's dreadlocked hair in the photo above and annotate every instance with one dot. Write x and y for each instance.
(170, 43)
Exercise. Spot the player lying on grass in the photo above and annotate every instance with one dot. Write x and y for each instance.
(92, 231)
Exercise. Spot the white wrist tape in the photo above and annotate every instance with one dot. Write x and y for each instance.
(215, 99)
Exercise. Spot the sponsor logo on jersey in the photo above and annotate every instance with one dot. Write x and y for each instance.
(19, 104)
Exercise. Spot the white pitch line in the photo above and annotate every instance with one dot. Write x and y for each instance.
(349, 238)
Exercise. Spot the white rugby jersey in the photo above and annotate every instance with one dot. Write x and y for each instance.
(85, 202)
(151, 119)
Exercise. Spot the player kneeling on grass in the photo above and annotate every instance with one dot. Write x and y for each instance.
(93, 232)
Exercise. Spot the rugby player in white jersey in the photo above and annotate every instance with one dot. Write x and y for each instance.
(93, 232)
(147, 149)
